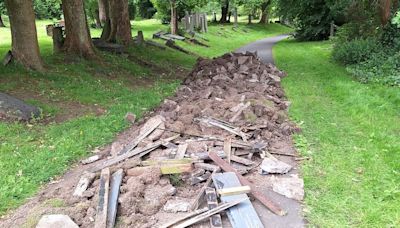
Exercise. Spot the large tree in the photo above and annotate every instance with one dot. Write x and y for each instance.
(117, 26)
(224, 11)
(77, 34)
(25, 47)
(265, 7)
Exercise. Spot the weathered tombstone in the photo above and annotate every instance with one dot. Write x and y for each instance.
(7, 58)
(202, 24)
(205, 23)
(140, 38)
(12, 108)
(49, 30)
(58, 39)
(191, 28)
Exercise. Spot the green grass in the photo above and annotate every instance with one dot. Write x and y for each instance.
(33, 154)
(351, 131)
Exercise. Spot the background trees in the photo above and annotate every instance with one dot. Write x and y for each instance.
(2, 11)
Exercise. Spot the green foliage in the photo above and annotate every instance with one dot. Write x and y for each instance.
(380, 68)
(146, 9)
(311, 18)
(47, 9)
(355, 51)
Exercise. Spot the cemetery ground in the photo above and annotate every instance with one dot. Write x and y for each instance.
(350, 131)
(84, 102)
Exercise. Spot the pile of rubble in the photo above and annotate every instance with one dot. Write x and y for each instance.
(192, 155)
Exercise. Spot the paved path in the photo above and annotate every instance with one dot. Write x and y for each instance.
(263, 48)
(294, 217)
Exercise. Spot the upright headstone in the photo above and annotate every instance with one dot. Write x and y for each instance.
(202, 24)
(58, 39)
(191, 27)
(205, 22)
(140, 38)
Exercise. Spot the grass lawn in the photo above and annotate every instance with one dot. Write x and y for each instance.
(84, 102)
(351, 132)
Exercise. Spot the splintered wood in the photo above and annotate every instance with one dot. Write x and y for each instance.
(102, 206)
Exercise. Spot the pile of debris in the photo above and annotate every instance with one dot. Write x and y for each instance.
(194, 150)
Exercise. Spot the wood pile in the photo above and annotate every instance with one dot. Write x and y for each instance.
(194, 151)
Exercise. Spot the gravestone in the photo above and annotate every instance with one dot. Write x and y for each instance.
(12, 108)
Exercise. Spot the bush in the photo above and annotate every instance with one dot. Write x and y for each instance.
(355, 51)
(381, 68)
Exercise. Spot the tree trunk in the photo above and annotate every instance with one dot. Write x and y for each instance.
(1, 22)
(235, 16)
(25, 47)
(119, 22)
(97, 18)
(224, 12)
(77, 35)
(250, 18)
(104, 13)
(385, 11)
(103, 8)
(174, 18)
(264, 13)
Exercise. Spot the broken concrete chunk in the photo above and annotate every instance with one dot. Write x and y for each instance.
(291, 187)
(59, 221)
(177, 205)
(273, 165)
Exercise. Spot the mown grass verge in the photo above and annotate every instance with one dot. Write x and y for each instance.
(351, 133)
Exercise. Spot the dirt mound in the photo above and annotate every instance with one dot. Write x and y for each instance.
(234, 96)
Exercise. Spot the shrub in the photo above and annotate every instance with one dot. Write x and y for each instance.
(380, 67)
(355, 51)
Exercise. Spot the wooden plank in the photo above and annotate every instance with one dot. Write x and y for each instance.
(240, 160)
(197, 201)
(180, 154)
(167, 162)
(243, 215)
(139, 152)
(150, 126)
(257, 194)
(84, 182)
(176, 168)
(102, 206)
(228, 149)
(208, 213)
(191, 214)
(234, 191)
(116, 180)
(212, 202)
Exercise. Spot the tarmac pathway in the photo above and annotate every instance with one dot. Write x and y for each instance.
(263, 48)
(294, 217)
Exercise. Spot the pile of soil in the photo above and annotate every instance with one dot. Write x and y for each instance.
(234, 87)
